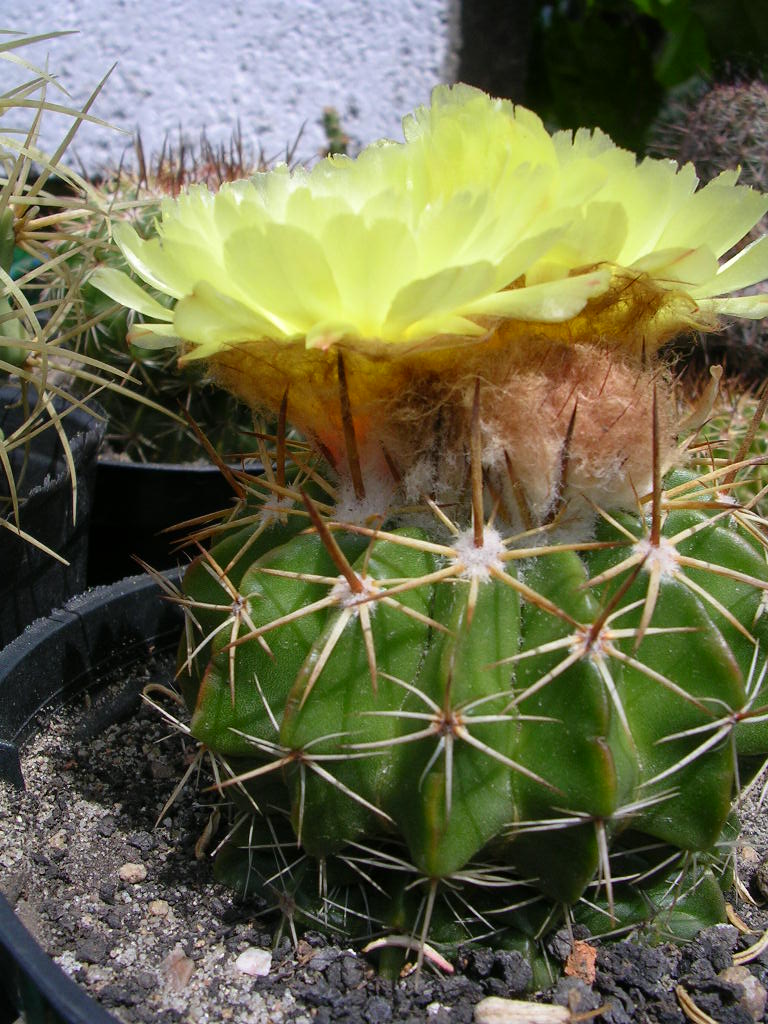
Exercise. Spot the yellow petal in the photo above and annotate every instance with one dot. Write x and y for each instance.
(122, 289)
(153, 336)
(745, 269)
(172, 270)
(285, 275)
(718, 214)
(450, 290)
(687, 266)
(369, 263)
(209, 318)
(751, 307)
(552, 302)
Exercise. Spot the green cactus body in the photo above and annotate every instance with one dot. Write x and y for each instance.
(557, 716)
(595, 770)
(460, 776)
(336, 711)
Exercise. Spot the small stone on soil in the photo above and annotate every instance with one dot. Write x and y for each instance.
(132, 873)
(255, 962)
(495, 1010)
(178, 968)
(755, 995)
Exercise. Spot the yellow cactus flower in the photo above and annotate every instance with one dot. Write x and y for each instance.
(398, 276)
(404, 243)
(481, 213)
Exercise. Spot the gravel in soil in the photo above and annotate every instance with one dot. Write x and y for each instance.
(127, 908)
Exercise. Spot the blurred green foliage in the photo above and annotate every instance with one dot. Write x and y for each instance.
(611, 63)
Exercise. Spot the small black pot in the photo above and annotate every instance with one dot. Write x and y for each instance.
(32, 583)
(53, 661)
(136, 501)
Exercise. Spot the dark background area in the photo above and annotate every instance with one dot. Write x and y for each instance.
(609, 63)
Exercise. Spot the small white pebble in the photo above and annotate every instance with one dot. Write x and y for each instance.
(495, 1010)
(178, 968)
(125, 957)
(59, 840)
(159, 908)
(254, 961)
(132, 873)
(755, 995)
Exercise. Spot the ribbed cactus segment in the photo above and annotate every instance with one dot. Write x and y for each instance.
(349, 676)
(420, 709)
(460, 774)
(558, 681)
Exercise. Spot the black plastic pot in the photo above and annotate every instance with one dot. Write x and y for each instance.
(53, 661)
(32, 582)
(136, 501)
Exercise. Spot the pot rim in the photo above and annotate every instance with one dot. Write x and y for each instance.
(85, 427)
(115, 462)
(56, 658)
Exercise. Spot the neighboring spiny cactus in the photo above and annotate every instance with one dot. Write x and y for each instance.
(737, 431)
(488, 648)
(717, 127)
(154, 429)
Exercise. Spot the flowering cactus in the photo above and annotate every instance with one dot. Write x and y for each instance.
(489, 649)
